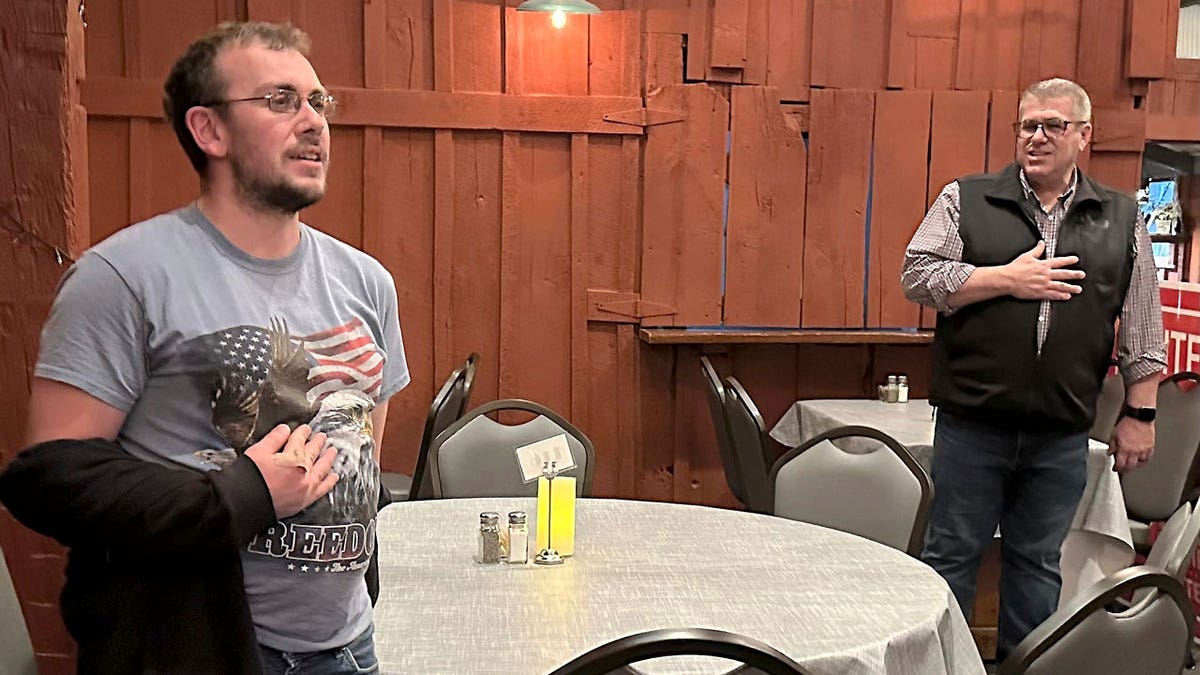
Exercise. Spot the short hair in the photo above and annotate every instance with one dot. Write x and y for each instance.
(1059, 87)
(194, 81)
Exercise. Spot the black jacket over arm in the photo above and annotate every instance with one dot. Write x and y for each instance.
(154, 577)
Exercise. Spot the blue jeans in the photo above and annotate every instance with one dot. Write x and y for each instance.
(1030, 484)
(356, 657)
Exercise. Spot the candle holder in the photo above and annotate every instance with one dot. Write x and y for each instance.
(549, 555)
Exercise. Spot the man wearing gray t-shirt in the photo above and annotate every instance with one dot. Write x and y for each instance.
(224, 334)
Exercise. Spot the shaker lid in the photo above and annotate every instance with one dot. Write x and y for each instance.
(516, 517)
(489, 518)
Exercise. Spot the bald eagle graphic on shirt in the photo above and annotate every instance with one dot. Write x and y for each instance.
(265, 376)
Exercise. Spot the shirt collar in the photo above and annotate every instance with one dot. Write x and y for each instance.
(1065, 197)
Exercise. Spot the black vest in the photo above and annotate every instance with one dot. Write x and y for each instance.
(985, 364)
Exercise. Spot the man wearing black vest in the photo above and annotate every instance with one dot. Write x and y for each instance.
(1029, 269)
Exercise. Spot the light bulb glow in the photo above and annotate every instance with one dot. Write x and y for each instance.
(558, 19)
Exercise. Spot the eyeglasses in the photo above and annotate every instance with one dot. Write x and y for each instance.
(287, 101)
(1053, 128)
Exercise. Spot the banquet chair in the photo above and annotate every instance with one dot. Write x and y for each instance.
(1108, 407)
(716, 410)
(882, 494)
(474, 456)
(750, 442)
(16, 650)
(1085, 638)
(1153, 491)
(449, 405)
(617, 656)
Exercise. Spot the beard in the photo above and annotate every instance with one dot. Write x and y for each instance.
(275, 194)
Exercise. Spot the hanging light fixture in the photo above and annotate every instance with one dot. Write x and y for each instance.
(559, 9)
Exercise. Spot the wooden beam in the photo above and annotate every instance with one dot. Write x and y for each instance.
(127, 97)
(1119, 130)
(679, 336)
(1148, 24)
(1172, 128)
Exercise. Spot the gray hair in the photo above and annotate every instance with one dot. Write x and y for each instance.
(1061, 88)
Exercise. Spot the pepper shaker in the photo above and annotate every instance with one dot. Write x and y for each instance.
(489, 538)
(893, 389)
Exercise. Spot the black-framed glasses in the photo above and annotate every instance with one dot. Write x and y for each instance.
(1053, 128)
(287, 101)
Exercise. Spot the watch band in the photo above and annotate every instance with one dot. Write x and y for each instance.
(1142, 414)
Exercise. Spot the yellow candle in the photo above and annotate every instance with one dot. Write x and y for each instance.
(556, 529)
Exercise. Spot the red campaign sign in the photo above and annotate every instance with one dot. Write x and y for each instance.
(1181, 324)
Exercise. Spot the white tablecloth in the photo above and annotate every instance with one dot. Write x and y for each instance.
(834, 602)
(1099, 542)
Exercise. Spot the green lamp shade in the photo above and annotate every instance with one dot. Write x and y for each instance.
(564, 6)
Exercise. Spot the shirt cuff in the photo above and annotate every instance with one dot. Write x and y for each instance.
(1143, 366)
(951, 278)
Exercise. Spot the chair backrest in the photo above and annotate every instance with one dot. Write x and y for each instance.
(1155, 490)
(613, 656)
(1172, 550)
(748, 433)
(449, 405)
(1150, 637)
(716, 410)
(883, 494)
(1108, 407)
(474, 456)
(16, 651)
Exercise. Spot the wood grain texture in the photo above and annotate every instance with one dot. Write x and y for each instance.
(958, 141)
(764, 246)
(789, 51)
(684, 169)
(535, 272)
(125, 97)
(839, 164)
(1002, 138)
(542, 59)
(989, 45)
(662, 336)
(844, 62)
(1050, 41)
(898, 184)
(1149, 24)
(398, 229)
(922, 42)
(1100, 65)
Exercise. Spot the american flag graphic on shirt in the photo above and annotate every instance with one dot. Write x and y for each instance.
(346, 357)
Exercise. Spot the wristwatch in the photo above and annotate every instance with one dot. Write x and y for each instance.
(1142, 414)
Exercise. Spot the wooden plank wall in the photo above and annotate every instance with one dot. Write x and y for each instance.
(540, 194)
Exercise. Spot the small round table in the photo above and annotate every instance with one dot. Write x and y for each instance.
(834, 602)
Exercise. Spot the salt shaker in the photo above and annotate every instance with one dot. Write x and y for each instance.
(518, 538)
(902, 390)
(893, 389)
(489, 537)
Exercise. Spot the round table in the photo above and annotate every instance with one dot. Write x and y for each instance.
(834, 602)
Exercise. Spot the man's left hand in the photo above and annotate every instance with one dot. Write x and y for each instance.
(1132, 444)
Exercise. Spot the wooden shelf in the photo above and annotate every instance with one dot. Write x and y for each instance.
(677, 336)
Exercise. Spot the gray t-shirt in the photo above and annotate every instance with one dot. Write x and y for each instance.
(206, 349)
